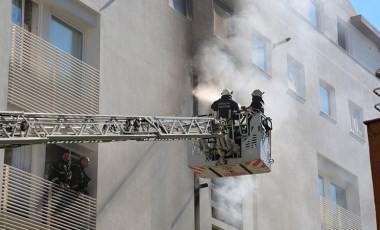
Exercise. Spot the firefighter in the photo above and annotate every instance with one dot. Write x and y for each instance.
(80, 180)
(60, 172)
(227, 108)
(257, 104)
(59, 175)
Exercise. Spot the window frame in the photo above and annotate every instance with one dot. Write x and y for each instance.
(340, 194)
(34, 25)
(342, 25)
(188, 5)
(331, 99)
(314, 5)
(266, 50)
(353, 107)
(68, 23)
(299, 77)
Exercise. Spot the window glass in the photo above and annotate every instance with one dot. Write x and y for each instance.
(314, 14)
(321, 187)
(296, 77)
(66, 37)
(342, 34)
(17, 12)
(259, 53)
(338, 195)
(180, 6)
(325, 100)
(356, 117)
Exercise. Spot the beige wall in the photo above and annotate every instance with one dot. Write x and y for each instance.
(145, 70)
(4, 61)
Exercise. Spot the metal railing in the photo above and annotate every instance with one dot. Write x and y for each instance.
(335, 217)
(44, 78)
(376, 91)
(30, 202)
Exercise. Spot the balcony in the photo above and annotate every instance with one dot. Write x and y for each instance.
(43, 78)
(30, 202)
(335, 217)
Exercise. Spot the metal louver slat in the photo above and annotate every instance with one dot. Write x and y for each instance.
(44, 78)
(30, 202)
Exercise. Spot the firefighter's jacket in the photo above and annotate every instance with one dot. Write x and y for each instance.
(257, 104)
(226, 108)
(60, 172)
(80, 179)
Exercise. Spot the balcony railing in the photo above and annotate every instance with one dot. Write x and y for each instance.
(43, 78)
(335, 217)
(30, 202)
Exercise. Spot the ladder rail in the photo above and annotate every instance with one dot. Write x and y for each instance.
(17, 128)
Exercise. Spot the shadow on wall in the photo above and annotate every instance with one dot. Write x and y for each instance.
(126, 177)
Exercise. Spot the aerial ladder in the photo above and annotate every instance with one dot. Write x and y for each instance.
(213, 153)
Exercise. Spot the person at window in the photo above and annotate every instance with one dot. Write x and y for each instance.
(227, 108)
(60, 175)
(60, 172)
(80, 180)
(257, 104)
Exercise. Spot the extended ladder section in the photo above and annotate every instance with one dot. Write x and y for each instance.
(215, 152)
(19, 128)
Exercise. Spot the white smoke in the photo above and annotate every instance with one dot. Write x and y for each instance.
(230, 197)
(228, 64)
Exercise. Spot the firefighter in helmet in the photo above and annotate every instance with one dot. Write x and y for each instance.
(257, 104)
(226, 108)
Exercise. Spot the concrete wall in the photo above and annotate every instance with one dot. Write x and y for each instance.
(145, 70)
(4, 63)
(302, 135)
(144, 52)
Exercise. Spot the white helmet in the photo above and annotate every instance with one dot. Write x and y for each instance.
(227, 92)
(257, 92)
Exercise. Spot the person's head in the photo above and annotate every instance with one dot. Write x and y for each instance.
(227, 92)
(257, 92)
(84, 162)
(66, 156)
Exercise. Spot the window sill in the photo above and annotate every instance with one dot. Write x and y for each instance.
(296, 96)
(328, 117)
(265, 72)
(357, 137)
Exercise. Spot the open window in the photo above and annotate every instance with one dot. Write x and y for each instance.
(25, 13)
(296, 77)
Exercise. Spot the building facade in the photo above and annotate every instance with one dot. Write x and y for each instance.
(314, 59)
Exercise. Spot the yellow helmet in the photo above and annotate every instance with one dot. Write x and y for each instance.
(257, 92)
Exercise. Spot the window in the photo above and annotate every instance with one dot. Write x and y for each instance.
(338, 195)
(356, 119)
(259, 53)
(296, 77)
(327, 99)
(182, 6)
(223, 23)
(25, 14)
(226, 210)
(314, 14)
(17, 12)
(321, 186)
(342, 34)
(66, 37)
(338, 185)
